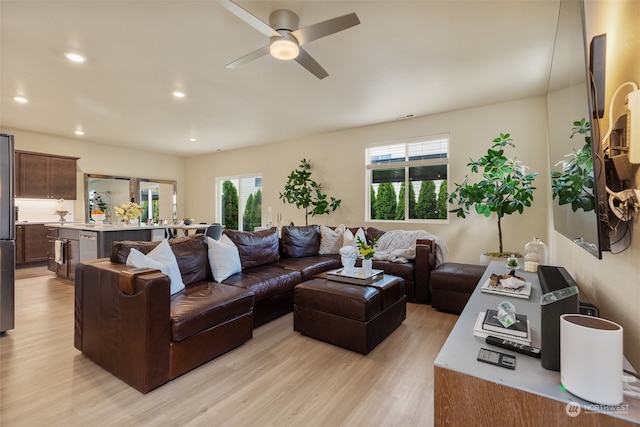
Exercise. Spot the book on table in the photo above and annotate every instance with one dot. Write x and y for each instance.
(480, 332)
(491, 323)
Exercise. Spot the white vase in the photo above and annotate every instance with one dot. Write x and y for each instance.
(367, 265)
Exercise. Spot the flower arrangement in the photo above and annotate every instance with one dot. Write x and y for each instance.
(367, 251)
(129, 211)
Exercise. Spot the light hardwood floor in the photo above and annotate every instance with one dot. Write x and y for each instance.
(279, 378)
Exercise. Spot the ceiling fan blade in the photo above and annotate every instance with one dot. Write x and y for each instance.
(249, 57)
(325, 28)
(310, 64)
(249, 18)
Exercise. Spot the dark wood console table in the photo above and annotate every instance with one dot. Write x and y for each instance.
(468, 392)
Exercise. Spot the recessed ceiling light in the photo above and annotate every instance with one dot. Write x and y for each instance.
(74, 57)
(178, 94)
(20, 99)
(192, 139)
(79, 132)
(408, 116)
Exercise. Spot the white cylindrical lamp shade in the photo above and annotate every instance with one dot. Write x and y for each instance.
(284, 49)
(591, 358)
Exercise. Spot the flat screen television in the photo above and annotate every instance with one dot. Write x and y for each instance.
(578, 210)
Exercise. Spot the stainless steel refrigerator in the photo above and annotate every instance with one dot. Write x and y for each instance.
(7, 233)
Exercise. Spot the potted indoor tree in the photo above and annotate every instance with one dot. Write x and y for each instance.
(307, 194)
(504, 187)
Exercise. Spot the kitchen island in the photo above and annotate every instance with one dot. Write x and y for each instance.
(70, 243)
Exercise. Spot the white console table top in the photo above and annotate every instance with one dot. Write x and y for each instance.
(461, 349)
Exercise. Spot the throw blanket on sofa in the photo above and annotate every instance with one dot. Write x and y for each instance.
(400, 246)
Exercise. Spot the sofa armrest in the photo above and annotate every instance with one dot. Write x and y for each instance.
(424, 262)
(127, 279)
(129, 335)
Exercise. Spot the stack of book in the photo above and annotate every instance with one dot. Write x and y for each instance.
(488, 324)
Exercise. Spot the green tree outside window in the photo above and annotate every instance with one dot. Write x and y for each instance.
(230, 205)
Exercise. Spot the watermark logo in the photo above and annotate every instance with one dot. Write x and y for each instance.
(572, 409)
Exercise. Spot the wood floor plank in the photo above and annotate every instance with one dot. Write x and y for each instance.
(279, 378)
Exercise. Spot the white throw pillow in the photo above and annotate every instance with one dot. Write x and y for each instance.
(331, 240)
(162, 258)
(351, 240)
(224, 258)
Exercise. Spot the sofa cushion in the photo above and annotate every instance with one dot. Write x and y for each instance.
(256, 247)
(309, 266)
(297, 242)
(404, 270)
(190, 252)
(162, 258)
(204, 305)
(192, 256)
(373, 234)
(266, 281)
(351, 238)
(331, 239)
(120, 250)
(224, 258)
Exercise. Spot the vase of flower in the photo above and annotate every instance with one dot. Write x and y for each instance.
(367, 251)
(367, 266)
(128, 211)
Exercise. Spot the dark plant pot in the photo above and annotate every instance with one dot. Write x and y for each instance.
(188, 222)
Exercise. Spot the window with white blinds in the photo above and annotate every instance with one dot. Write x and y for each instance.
(408, 180)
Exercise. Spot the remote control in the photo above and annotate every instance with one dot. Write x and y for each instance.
(514, 346)
(496, 358)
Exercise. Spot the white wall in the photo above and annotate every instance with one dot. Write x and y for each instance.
(612, 283)
(103, 159)
(338, 163)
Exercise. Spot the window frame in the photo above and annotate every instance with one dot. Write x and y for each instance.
(219, 217)
(406, 164)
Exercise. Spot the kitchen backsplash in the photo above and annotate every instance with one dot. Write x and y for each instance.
(42, 210)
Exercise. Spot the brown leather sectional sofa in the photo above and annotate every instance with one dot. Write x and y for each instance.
(127, 322)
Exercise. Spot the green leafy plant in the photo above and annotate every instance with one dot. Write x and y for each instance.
(307, 194)
(97, 205)
(505, 187)
(367, 251)
(575, 183)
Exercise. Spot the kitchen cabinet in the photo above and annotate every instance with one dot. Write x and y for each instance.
(35, 243)
(66, 268)
(31, 243)
(45, 176)
(52, 236)
(19, 244)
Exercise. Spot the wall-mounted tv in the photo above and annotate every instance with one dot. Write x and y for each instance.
(575, 154)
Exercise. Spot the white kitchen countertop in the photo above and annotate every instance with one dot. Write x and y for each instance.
(99, 227)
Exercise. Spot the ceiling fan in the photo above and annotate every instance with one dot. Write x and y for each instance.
(286, 39)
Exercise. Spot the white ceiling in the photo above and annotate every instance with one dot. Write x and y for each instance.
(406, 57)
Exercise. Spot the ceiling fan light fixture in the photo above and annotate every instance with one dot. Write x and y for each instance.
(75, 57)
(284, 49)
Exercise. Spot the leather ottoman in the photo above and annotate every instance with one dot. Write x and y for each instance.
(351, 316)
(452, 285)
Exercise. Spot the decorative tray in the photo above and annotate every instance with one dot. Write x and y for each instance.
(357, 277)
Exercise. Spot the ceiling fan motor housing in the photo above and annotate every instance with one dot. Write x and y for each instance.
(284, 20)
